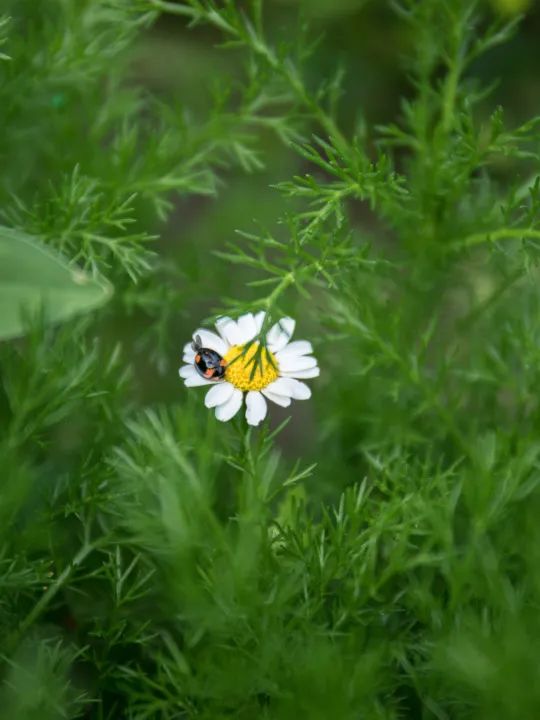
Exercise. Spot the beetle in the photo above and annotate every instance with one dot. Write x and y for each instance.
(208, 363)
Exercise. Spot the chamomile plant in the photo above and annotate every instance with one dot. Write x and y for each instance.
(379, 559)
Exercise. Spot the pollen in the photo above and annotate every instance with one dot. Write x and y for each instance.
(253, 370)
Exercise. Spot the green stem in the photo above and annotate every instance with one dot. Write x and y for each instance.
(450, 94)
(246, 491)
(493, 236)
(49, 595)
(284, 283)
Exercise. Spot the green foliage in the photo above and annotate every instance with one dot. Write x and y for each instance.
(375, 557)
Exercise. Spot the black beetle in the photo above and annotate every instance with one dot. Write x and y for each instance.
(208, 363)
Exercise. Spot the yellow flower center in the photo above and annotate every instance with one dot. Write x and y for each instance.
(252, 371)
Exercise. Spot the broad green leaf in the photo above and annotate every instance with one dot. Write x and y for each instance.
(34, 277)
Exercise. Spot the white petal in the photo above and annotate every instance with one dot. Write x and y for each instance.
(280, 334)
(259, 319)
(302, 374)
(282, 386)
(229, 331)
(297, 362)
(247, 327)
(300, 390)
(219, 394)
(196, 381)
(278, 399)
(296, 348)
(231, 407)
(189, 353)
(211, 340)
(256, 408)
(187, 371)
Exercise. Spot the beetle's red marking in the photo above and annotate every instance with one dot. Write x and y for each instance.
(209, 373)
(197, 358)
(223, 362)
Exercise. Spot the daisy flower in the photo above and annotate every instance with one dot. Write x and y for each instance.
(220, 362)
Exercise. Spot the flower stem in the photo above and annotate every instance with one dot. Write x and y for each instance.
(284, 283)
